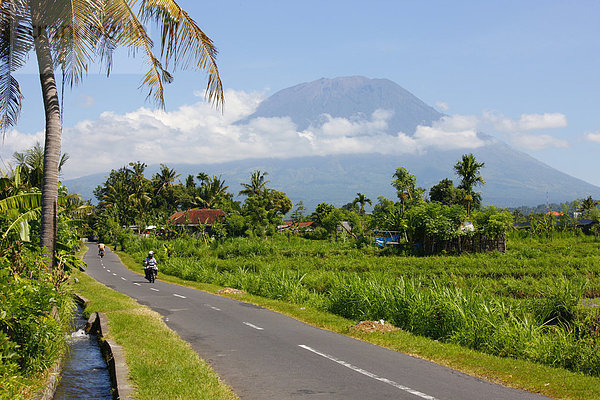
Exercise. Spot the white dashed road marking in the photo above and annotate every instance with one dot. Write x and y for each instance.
(114, 274)
(370, 374)
(123, 278)
(178, 295)
(137, 284)
(156, 290)
(213, 307)
(254, 326)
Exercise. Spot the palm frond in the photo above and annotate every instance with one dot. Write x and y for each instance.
(75, 32)
(122, 27)
(16, 41)
(184, 44)
(81, 211)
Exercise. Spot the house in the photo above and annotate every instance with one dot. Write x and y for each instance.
(301, 226)
(586, 225)
(197, 217)
(554, 213)
(522, 225)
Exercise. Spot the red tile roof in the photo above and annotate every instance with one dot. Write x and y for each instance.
(554, 213)
(195, 217)
(297, 224)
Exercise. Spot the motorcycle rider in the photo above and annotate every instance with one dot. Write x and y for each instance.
(150, 264)
(101, 249)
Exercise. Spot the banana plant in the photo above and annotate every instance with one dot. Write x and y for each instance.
(22, 208)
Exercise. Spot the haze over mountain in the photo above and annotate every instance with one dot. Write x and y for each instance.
(409, 132)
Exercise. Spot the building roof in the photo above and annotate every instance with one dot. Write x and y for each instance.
(586, 222)
(554, 213)
(298, 225)
(203, 216)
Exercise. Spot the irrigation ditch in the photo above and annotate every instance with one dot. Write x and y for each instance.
(94, 367)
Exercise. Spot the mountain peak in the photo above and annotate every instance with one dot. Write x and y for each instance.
(348, 97)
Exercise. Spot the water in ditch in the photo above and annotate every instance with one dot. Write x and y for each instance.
(85, 374)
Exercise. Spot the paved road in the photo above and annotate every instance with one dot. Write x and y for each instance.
(264, 355)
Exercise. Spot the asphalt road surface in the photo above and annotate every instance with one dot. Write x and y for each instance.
(264, 355)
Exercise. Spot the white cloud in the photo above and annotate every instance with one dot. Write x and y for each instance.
(593, 137)
(197, 133)
(538, 142)
(527, 122)
(442, 106)
(14, 140)
(86, 101)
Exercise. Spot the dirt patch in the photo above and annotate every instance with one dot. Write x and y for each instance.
(231, 291)
(374, 326)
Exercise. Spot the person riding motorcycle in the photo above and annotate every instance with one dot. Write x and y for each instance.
(150, 268)
(101, 249)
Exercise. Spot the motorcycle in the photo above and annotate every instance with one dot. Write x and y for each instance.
(101, 253)
(151, 273)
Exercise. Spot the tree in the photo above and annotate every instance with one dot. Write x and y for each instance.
(164, 179)
(212, 192)
(31, 162)
(298, 214)
(468, 169)
(140, 188)
(444, 192)
(257, 184)
(322, 210)
(404, 183)
(587, 205)
(70, 36)
(362, 200)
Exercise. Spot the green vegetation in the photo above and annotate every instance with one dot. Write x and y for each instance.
(35, 302)
(523, 304)
(162, 366)
(35, 315)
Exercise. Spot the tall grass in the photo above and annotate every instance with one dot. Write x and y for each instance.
(521, 304)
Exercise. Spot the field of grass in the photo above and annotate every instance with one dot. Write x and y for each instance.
(523, 304)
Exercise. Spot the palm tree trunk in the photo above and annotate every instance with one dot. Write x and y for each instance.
(51, 144)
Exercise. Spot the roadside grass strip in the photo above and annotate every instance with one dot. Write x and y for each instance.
(161, 364)
(553, 382)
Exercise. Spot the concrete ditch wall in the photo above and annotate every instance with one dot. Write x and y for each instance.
(122, 389)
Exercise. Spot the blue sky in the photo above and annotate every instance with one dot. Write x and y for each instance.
(499, 63)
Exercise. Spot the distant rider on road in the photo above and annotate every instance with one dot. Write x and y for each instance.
(150, 264)
(101, 249)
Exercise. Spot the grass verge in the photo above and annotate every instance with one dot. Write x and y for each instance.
(553, 382)
(162, 366)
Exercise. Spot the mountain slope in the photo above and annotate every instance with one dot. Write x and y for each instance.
(348, 97)
(513, 177)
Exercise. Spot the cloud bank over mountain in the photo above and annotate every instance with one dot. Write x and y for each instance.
(197, 133)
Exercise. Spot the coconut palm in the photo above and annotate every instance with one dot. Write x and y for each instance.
(164, 178)
(212, 191)
(69, 36)
(31, 162)
(587, 205)
(257, 184)
(361, 199)
(468, 170)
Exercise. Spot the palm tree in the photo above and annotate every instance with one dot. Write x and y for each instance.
(164, 178)
(468, 171)
(587, 204)
(31, 162)
(71, 35)
(362, 200)
(257, 184)
(212, 192)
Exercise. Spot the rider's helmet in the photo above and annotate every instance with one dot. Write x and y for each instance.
(150, 253)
